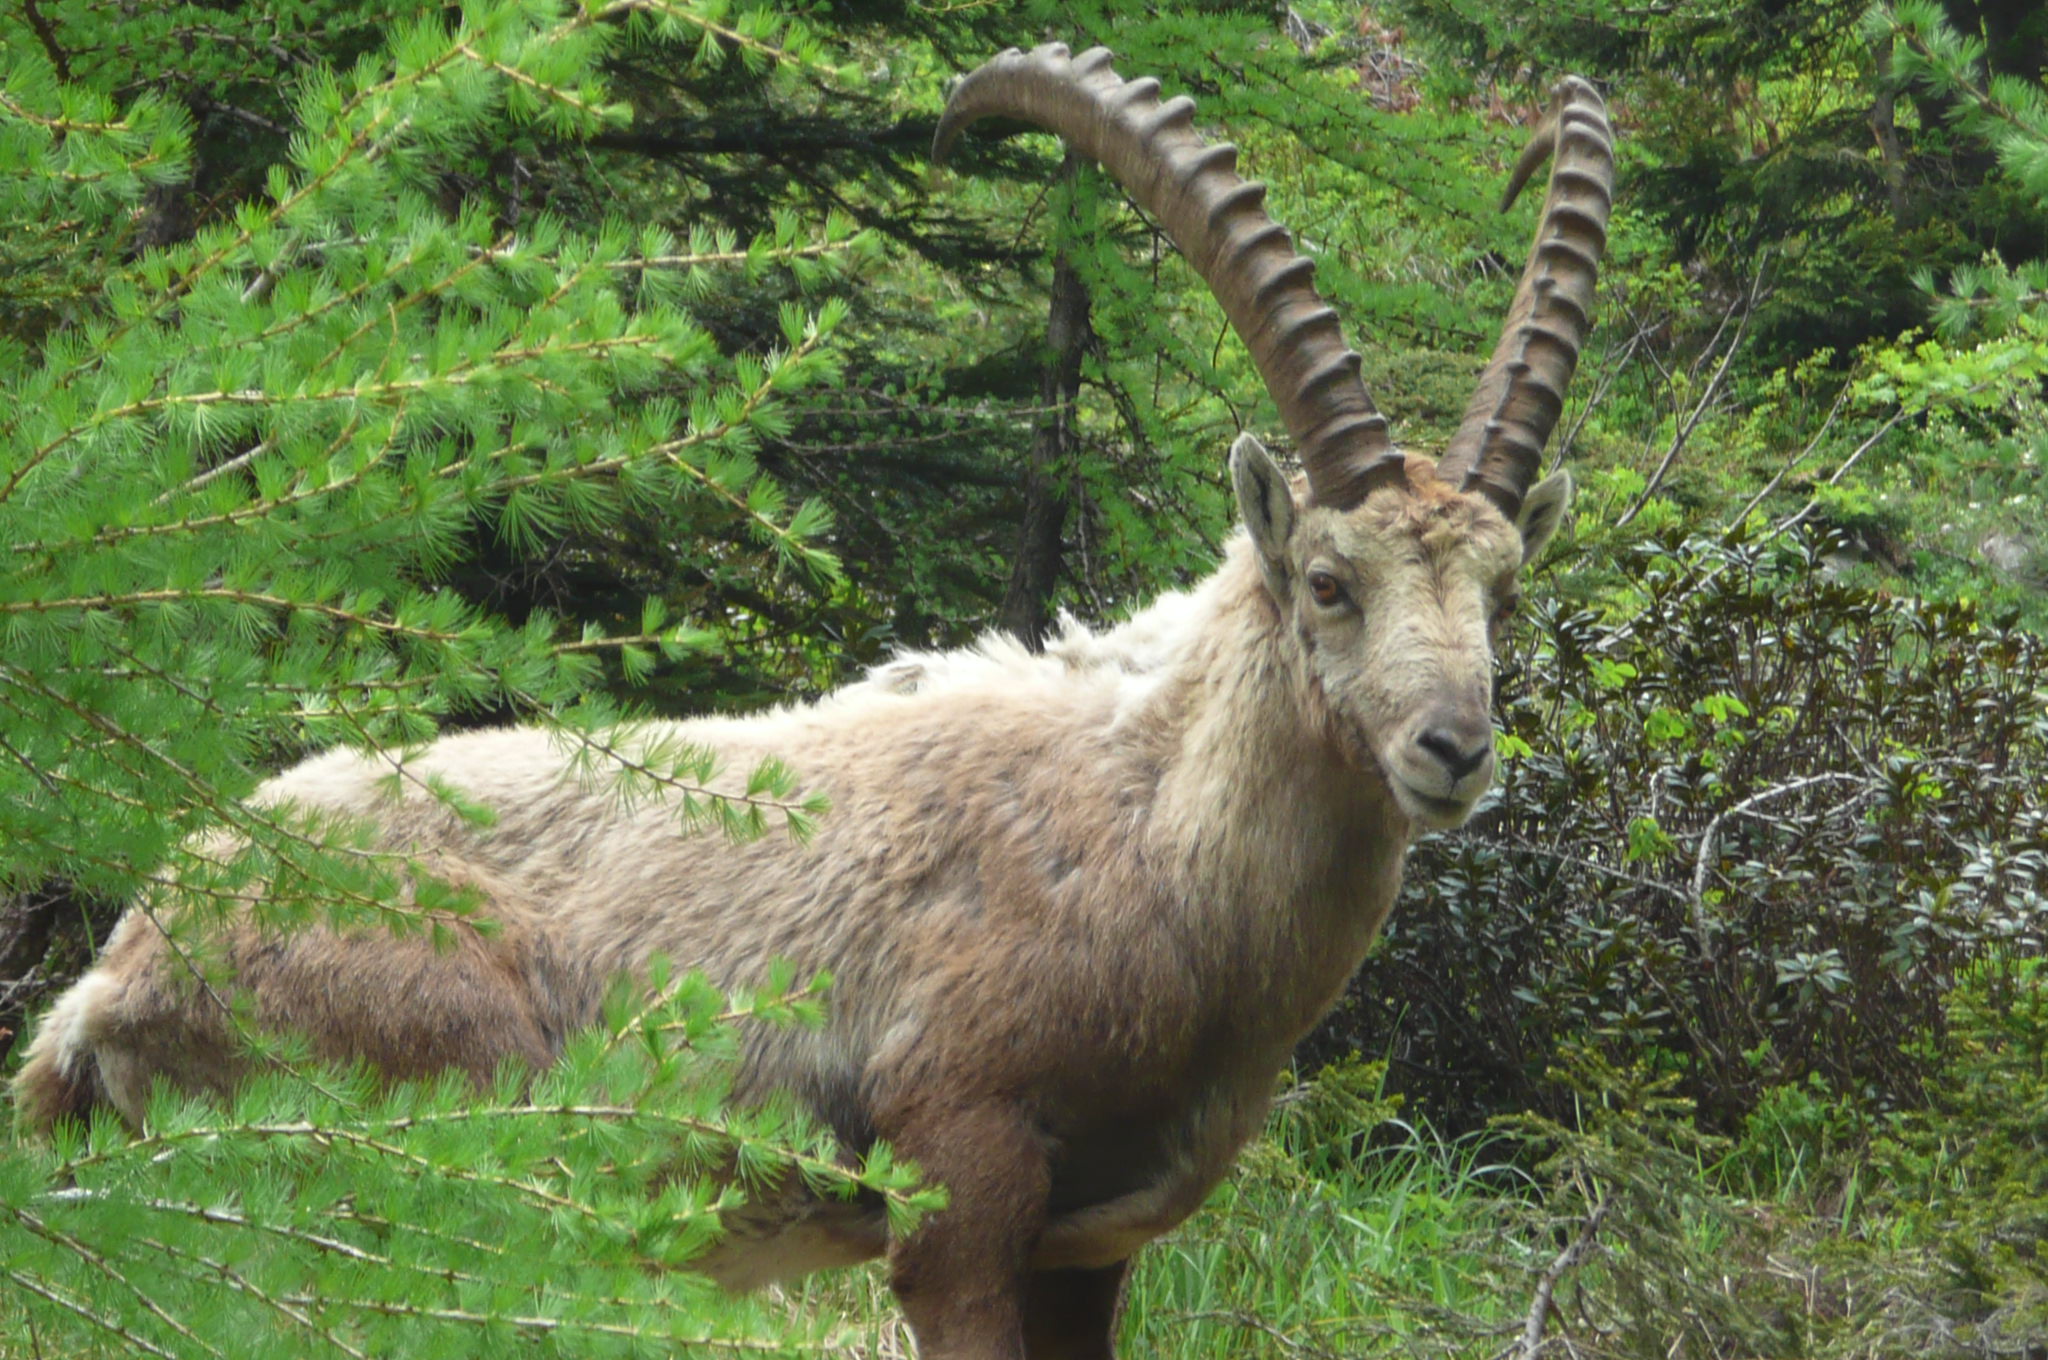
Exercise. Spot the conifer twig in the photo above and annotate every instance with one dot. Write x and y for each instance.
(705, 1337)
(111, 1326)
(643, 768)
(122, 599)
(291, 1308)
(99, 1262)
(1530, 1344)
(815, 250)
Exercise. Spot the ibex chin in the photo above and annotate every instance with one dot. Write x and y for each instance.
(1078, 906)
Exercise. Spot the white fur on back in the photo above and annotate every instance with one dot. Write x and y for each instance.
(1126, 660)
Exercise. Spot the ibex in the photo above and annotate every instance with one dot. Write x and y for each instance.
(1078, 906)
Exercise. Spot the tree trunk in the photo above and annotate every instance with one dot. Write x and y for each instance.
(1027, 602)
(1884, 126)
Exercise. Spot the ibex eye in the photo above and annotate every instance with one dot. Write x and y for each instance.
(1324, 588)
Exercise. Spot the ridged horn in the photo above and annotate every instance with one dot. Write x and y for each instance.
(1498, 448)
(1191, 187)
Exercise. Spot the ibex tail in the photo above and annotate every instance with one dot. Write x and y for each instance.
(61, 1079)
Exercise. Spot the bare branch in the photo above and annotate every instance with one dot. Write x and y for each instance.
(1742, 515)
(1813, 503)
(1530, 1344)
(1710, 840)
(1707, 397)
(47, 36)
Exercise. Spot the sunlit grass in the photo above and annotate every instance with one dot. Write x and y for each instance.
(1359, 1256)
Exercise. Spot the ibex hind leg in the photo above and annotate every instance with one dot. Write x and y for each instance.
(408, 1007)
(116, 1033)
(780, 1237)
(60, 1079)
(960, 1275)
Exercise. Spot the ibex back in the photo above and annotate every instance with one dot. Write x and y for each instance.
(1080, 905)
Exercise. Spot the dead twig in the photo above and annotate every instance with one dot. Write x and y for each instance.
(1741, 516)
(1710, 841)
(1530, 1344)
(1707, 398)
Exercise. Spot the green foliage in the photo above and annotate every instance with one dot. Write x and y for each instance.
(1603, 1229)
(1621, 1231)
(1343, 1232)
(2009, 110)
(371, 372)
(1965, 1177)
(244, 460)
(1650, 1249)
(1752, 824)
(1821, 178)
(330, 1216)
(1793, 139)
(233, 483)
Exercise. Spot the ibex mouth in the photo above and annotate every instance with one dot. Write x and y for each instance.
(1438, 814)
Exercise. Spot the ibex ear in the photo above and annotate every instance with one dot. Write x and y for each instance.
(1267, 504)
(1542, 511)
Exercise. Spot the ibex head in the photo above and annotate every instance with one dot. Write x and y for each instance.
(1393, 573)
(1394, 604)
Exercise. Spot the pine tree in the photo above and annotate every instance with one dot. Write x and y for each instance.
(241, 454)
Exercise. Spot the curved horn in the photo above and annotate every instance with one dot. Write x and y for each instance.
(1216, 220)
(1498, 448)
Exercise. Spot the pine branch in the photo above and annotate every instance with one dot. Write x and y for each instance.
(99, 1321)
(103, 1266)
(333, 1136)
(63, 126)
(694, 793)
(600, 347)
(339, 614)
(293, 1309)
(704, 1336)
(816, 250)
(685, 14)
(771, 136)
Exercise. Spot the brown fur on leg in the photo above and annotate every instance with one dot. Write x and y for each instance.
(960, 1275)
(1073, 1314)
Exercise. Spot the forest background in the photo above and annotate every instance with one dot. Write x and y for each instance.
(371, 372)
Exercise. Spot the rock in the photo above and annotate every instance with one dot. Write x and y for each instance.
(2008, 554)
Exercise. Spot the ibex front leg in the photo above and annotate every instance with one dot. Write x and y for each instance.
(1072, 1314)
(961, 1275)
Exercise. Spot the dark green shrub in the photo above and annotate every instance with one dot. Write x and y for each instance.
(1746, 837)
(1968, 1174)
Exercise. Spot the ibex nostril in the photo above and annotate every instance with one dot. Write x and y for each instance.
(1452, 754)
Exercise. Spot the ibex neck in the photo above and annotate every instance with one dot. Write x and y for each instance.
(1262, 813)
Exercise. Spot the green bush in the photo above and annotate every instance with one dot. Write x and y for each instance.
(1745, 835)
(1966, 1175)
